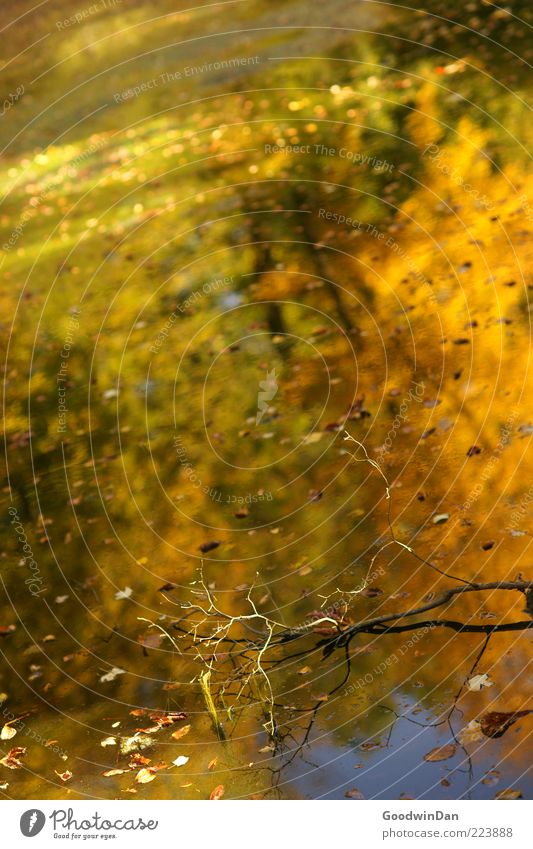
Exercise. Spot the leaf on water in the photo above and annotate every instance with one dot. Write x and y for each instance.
(137, 761)
(208, 546)
(440, 518)
(494, 724)
(471, 733)
(11, 760)
(477, 682)
(492, 777)
(113, 673)
(7, 732)
(111, 772)
(304, 670)
(145, 775)
(217, 793)
(181, 732)
(212, 764)
(125, 593)
(509, 793)
(64, 776)
(441, 753)
(181, 760)
(354, 793)
(109, 741)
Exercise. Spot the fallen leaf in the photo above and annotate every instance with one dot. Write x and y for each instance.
(113, 673)
(64, 776)
(441, 753)
(217, 793)
(478, 681)
(440, 518)
(509, 793)
(137, 761)
(208, 546)
(145, 775)
(354, 793)
(111, 772)
(212, 764)
(109, 741)
(181, 760)
(181, 732)
(125, 593)
(304, 670)
(494, 724)
(7, 732)
(11, 760)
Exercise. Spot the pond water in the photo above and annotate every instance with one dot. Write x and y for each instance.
(194, 320)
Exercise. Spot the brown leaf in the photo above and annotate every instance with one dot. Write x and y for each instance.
(509, 793)
(217, 793)
(212, 764)
(11, 760)
(494, 724)
(181, 732)
(138, 760)
(441, 753)
(354, 793)
(208, 546)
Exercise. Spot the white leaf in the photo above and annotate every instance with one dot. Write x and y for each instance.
(181, 761)
(109, 741)
(112, 674)
(125, 593)
(478, 681)
(7, 732)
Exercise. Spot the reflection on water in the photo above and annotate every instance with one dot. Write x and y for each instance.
(193, 332)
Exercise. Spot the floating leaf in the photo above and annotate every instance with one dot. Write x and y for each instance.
(11, 760)
(125, 593)
(208, 546)
(181, 732)
(7, 732)
(217, 793)
(111, 772)
(441, 753)
(212, 764)
(471, 733)
(494, 724)
(440, 518)
(145, 775)
(113, 673)
(64, 776)
(354, 793)
(109, 741)
(181, 760)
(477, 682)
(509, 793)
